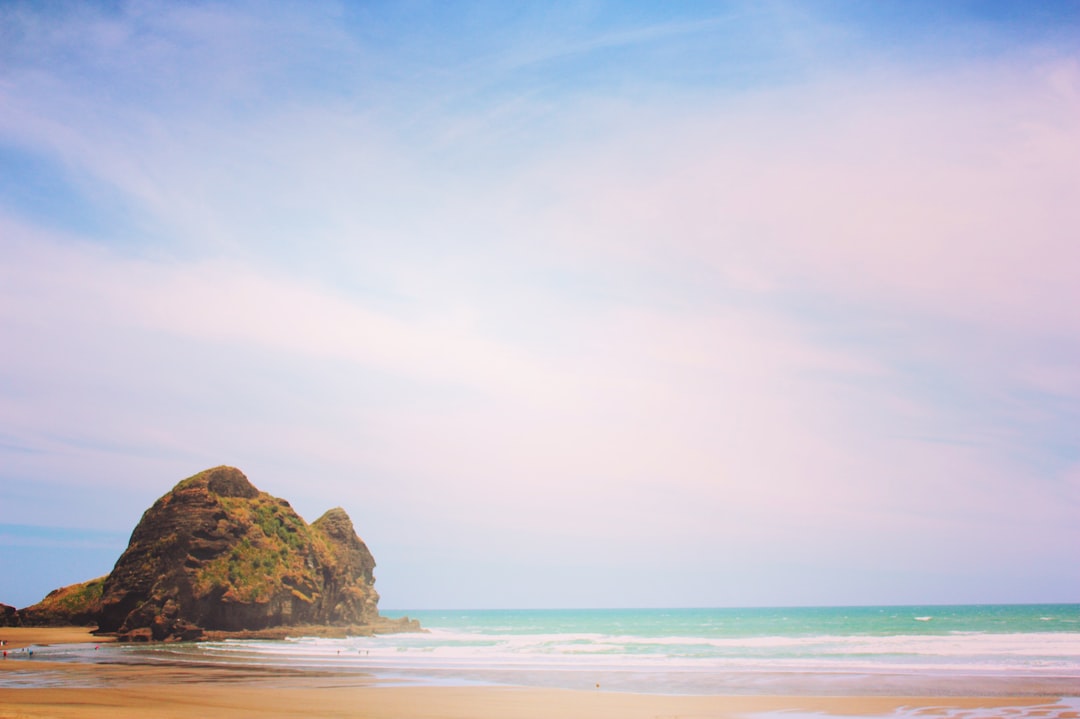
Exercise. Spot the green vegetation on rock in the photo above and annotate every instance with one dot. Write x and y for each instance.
(74, 604)
(273, 554)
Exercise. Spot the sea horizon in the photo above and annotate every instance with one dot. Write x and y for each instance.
(397, 612)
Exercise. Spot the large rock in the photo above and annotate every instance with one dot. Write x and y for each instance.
(215, 553)
(348, 590)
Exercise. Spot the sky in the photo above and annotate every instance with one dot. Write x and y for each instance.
(577, 304)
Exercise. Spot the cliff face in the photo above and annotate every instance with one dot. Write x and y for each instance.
(349, 591)
(215, 553)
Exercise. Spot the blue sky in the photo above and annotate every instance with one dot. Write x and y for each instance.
(571, 304)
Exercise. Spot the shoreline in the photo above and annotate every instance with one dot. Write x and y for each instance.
(384, 625)
(73, 634)
(38, 687)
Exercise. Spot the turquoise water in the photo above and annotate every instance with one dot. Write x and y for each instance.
(1013, 649)
(689, 650)
(761, 622)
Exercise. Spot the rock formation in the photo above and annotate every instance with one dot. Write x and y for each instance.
(78, 604)
(215, 553)
(217, 557)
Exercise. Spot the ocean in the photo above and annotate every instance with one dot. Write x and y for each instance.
(902, 650)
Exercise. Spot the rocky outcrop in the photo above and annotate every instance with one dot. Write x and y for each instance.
(78, 604)
(9, 617)
(348, 590)
(217, 554)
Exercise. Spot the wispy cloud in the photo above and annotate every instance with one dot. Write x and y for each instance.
(819, 316)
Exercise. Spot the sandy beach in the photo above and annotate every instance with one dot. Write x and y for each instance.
(30, 687)
(182, 702)
(18, 637)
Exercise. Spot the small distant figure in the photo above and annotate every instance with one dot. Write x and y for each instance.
(598, 685)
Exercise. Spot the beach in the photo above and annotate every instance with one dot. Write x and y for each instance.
(32, 687)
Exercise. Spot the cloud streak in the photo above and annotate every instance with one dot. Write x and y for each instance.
(813, 322)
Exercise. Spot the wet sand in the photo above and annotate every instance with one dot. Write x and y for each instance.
(18, 637)
(34, 688)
